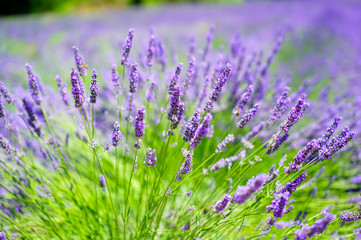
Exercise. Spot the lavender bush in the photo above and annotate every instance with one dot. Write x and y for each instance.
(215, 142)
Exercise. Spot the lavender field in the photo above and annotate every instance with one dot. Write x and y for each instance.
(189, 121)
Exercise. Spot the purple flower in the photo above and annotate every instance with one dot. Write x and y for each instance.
(150, 51)
(244, 192)
(63, 91)
(274, 51)
(5, 92)
(150, 158)
(221, 204)
(150, 95)
(127, 46)
(79, 61)
(257, 129)
(174, 79)
(2, 236)
(223, 144)
(243, 100)
(32, 120)
(94, 87)
(138, 144)
(201, 131)
(4, 143)
(203, 93)
(349, 216)
(356, 179)
(226, 161)
(176, 108)
(295, 114)
(2, 110)
(33, 84)
(139, 123)
(248, 116)
(283, 103)
(318, 227)
(133, 78)
(217, 89)
(102, 181)
(76, 89)
(190, 73)
(186, 227)
(115, 80)
(116, 135)
(192, 126)
(187, 166)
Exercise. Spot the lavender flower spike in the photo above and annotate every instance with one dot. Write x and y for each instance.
(4, 143)
(2, 110)
(63, 91)
(139, 123)
(116, 81)
(223, 144)
(79, 61)
(295, 114)
(244, 192)
(248, 116)
(174, 78)
(94, 87)
(201, 131)
(133, 78)
(32, 121)
(222, 204)
(76, 89)
(176, 108)
(116, 135)
(5, 92)
(282, 104)
(217, 89)
(2, 236)
(187, 166)
(243, 101)
(192, 126)
(150, 51)
(102, 181)
(33, 84)
(318, 227)
(127, 47)
(150, 158)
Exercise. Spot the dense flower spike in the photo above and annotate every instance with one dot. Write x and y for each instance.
(116, 135)
(5, 92)
(349, 216)
(79, 61)
(33, 84)
(176, 108)
(139, 124)
(174, 79)
(283, 103)
(192, 126)
(138, 144)
(243, 100)
(187, 166)
(317, 228)
(94, 87)
(102, 181)
(190, 73)
(127, 46)
(223, 144)
(244, 192)
(2, 110)
(76, 89)
(150, 158)
(278, 140)
(248, 116)
(133, 78)
(217, 89)
(226, 161)
(63, 90)
(222, 204)
(150, 51)
(202, 130)
(116, 81)
(4, 143)
(295, 114)
(32, 120)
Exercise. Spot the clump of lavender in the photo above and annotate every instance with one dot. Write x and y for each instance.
(187, 166)
(79, 61)
(133, 78)
(76, 89)
(202, 130)
(94, 87)
(33, 84)
(223, 144)
(139, 124)
(150, 158)
(248, 116)
(174, 79)
(283, 103)
(192, 126)
(243, 100)
(222, 204)
(5, 92)
(244, 192)
(217, 89)
(63, 91)
(127, 46)
(116, 135)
